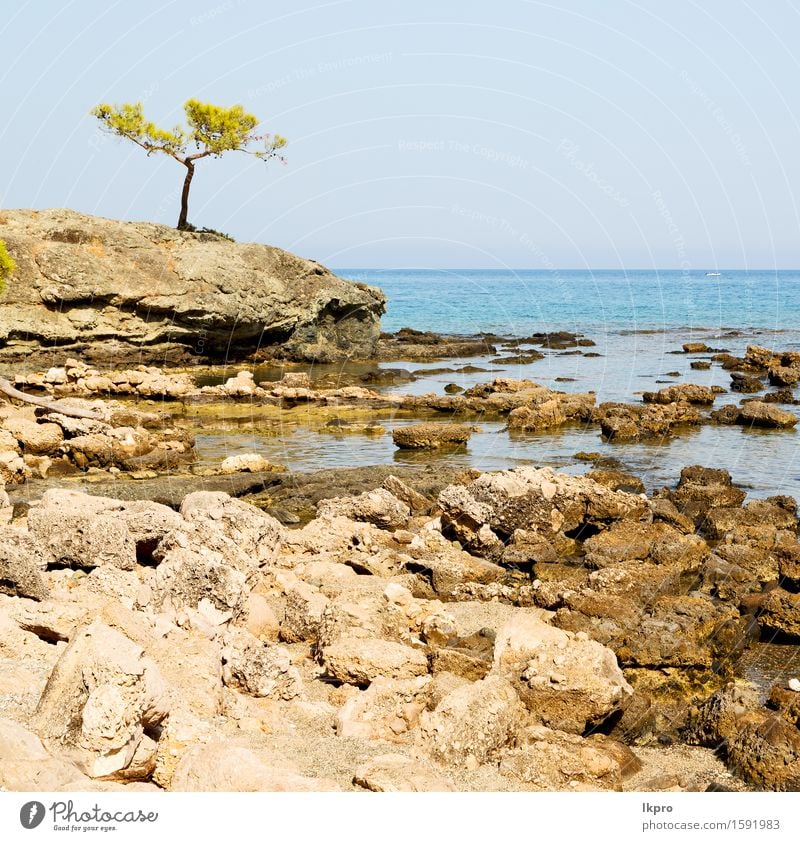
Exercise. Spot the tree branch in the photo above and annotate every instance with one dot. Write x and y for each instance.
(48, 405)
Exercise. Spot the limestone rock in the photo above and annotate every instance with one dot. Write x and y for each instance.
(222, 766)
(431, 436)
(258, 668)
(224, 523)
(630, 422)
(472, 722)
(686, 392)
(396, 772)
(247, 462)
(21, 561)
(781, 612)
(766, 753)
(531, 498)
(657, 542)
(102, 699)
(379, 507)
(304, 607)
(387, 709)
(758, 413)
(550, 760)
(567, 681)
(245, 297)
(718, 719)
(38, 439)
(81, 530)
(359, 661)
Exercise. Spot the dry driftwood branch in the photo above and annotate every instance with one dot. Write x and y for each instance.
(48, 405)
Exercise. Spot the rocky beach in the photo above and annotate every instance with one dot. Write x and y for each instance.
(184, 608)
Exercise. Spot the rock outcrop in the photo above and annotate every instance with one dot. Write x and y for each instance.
(104, 289)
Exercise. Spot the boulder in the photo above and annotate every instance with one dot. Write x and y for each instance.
(767, 415)
(387, 709)
(225, 523)
(186, 577)
(21, 562)
(553, 761)
(76, 529)
(451, 568)
(781, 375)
(244, 297)
(258, 668)
(431, 436)
(530, 498)
(246, 462)
(102, 700)
(473, 722)
(765, 752)
(716, 721)
(657, 542)
(304, 607)
(359, 661)
(780, 613)
(38, 439)
(417, 503)
(745, 384)
(566, 680)
(703, 488)
(379, 507)
(631, 422)
(686, 393)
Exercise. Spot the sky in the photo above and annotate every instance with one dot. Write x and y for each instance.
(429, 133)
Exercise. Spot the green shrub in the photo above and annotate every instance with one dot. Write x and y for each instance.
(7, 266)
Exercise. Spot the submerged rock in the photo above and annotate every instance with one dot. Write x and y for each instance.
(431, 436)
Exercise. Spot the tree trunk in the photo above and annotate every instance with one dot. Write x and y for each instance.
(187, 182)
(50, 406)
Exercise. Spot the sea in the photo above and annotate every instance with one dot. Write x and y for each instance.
(638, 320)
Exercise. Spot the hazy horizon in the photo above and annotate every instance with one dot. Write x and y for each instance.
(432, 135)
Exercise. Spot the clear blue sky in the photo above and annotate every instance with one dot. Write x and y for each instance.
(430, 132)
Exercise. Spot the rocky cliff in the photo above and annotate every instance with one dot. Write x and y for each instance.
(109, 290)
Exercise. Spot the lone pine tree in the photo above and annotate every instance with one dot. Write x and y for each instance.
(212, 131)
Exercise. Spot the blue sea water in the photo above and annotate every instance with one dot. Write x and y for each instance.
(521, 302)
(638, 321)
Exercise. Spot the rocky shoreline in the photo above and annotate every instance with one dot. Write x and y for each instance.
(184, 625)
(424, 626)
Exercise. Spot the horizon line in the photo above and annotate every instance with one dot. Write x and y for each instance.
(554, 269)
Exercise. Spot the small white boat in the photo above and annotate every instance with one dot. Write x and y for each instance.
(712, 274)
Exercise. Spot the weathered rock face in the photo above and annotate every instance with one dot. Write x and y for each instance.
(567, 681)
(106, 289)
(492, 507)
(111, 696)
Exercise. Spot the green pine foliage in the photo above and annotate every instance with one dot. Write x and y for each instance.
(7, 266)
(211, 131)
